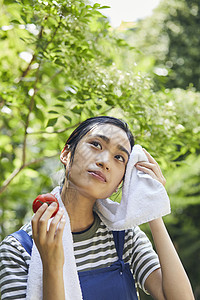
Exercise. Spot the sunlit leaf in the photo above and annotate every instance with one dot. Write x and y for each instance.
(52, 122)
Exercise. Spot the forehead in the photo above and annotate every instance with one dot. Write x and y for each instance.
(114, 133)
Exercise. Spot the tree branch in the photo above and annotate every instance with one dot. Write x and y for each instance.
(2, 102)
(54, 33)
(24, 165)
(28, 117)
(56, 131)
(25, 72)
(48, 81)
(8, 180)
(18, 170)
(70, 127)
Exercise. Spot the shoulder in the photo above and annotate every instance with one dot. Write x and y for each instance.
(136, 243)
(28, 228)
(136, 235)
(139, 244)
(141, 255)
(14, 264)
(10, 245)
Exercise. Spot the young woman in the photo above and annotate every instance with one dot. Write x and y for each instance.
(95, 158)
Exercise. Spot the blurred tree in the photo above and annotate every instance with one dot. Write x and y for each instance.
(170, 42)
(47, 71)
(183, 186)
(56, 72)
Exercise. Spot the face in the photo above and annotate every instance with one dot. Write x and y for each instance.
(99, 162)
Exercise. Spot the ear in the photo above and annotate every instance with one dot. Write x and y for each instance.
(65, 156)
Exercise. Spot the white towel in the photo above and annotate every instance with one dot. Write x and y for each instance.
(70, 275)
(143, 199)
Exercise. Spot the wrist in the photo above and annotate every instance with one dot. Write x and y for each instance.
(53, 283)
(52, 269)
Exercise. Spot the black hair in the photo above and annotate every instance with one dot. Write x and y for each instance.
(88, 124)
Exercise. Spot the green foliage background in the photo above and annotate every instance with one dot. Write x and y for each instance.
(61, 62)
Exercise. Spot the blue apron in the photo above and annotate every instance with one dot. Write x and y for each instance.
(114, 282)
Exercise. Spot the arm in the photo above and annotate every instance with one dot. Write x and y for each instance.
(170, 281)
(53, 284)
(13, 269)
(50, 247)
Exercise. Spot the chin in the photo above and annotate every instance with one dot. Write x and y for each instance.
(91, 191)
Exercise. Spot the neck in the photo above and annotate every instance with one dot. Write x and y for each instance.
(79, 208)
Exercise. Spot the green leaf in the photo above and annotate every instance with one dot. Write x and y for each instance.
(77, 110)
(52, 122)
(62, 99)
(15, 21)
(105, 6)
(53, 112)
(96, 5)
(39, 114)
(109, 102)
(68, 118)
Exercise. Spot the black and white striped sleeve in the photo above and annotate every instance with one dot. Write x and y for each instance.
(14, 263)
(143, 259)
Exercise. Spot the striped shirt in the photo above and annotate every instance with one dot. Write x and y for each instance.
(93, 249)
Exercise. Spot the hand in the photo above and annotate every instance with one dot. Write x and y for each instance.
(49, 242)
(151, 167)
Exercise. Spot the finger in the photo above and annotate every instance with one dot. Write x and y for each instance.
(36, 217)
(42, 227)
(150, 158)
(147, 171)
(54, 224)
(61, 226)
(146, 164)
(154, 167)
(159, 178)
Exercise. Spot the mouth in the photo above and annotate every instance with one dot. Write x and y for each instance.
(98, 175)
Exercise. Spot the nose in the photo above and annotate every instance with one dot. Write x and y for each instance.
(103, 161)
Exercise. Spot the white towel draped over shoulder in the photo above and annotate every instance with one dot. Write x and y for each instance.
(143, 199)
(70, 275)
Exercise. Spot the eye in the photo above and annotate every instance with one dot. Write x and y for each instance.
(96, 144)
(120, 158)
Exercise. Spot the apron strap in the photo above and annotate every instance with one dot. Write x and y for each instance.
(119, 242)
(27, 242)
(24, 239)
